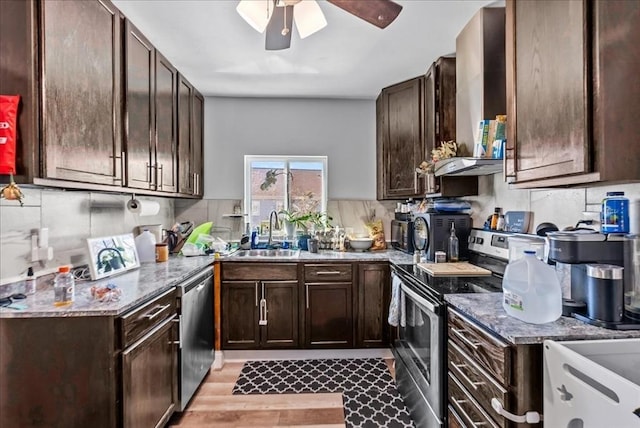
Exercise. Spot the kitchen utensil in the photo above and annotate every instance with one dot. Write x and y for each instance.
(543, 228)
(453, 269)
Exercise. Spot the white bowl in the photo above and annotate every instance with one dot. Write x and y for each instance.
(361, 244)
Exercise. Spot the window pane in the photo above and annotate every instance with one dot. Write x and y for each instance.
(306, 186)
(266, 199)
(296, 183)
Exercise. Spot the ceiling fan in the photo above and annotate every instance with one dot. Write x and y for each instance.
(278, 16)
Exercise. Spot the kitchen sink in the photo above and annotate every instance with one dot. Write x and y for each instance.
(281, 253)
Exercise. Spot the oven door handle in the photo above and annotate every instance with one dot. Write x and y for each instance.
(420, 300)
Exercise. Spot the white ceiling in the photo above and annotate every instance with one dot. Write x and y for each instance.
(223, 56)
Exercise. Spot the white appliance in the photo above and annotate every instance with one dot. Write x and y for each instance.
(592, 383)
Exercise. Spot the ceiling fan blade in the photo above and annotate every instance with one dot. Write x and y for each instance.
(256, 12)
(275, 39)
(380, 13)
(308, 18)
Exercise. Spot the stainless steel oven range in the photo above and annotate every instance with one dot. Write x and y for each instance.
(420, 348)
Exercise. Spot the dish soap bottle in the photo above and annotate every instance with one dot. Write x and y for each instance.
(454, 245)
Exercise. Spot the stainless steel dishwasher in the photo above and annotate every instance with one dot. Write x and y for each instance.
(195, 306)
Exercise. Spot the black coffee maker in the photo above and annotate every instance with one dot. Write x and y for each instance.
(597, 276)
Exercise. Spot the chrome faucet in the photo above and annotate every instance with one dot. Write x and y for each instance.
(272, 226)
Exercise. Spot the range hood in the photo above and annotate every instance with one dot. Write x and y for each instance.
(467, 166)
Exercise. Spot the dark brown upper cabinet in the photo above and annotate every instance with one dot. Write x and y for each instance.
(440, 125)
(572, 103)
(190, 138)
(150, 109)
(98, 102)
(440, 103)
(81, 85)
(400, 140)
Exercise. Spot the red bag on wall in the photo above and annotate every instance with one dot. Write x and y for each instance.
(8, 132)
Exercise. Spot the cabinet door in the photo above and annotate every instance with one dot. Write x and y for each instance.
(373, 305)
(328, 318)
(616, 99)
(81, 120)
(440, 103)
(548, 87)
(239, 314)
(280, 314)
(140, 104)
(166, 138)
(197, 143)
(186, 179)
(403, 140)
(150, 378)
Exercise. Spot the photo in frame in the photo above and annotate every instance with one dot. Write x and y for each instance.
(112, 255)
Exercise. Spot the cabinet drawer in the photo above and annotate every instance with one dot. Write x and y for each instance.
(466, 407)
(327, 272)
(138, 322)
(477, 381)
(259, 271)
(490, 353)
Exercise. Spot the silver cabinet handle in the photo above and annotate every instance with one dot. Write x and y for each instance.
(465, 377)
(307, 295)
(157, 311)
(474, 345)
(263, 312)
(263, 307)
(256, 293)
(464, 413)
(328, 272)
(159, 170)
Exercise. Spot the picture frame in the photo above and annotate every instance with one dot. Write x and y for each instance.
(112, 255)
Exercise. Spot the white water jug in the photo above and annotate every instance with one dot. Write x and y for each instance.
(146, 246)
(531, 290)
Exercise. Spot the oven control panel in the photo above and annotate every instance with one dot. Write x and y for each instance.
(489, 242)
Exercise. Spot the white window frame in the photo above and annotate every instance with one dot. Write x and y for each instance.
(248, 159)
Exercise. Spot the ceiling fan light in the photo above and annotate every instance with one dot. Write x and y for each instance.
(257, 13)
(308, 18)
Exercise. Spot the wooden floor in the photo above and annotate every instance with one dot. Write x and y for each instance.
(214, 406)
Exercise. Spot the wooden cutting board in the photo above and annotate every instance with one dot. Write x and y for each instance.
(453, 269)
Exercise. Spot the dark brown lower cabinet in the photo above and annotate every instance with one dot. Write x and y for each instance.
(260, 305)
(483, 367)
(328, 315)
(43, 384)
(150, 378)
(240, 315)
(91, 371)
(279, 324)
(374, 292)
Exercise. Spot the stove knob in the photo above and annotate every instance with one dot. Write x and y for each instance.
(479, 240)
(472, 239)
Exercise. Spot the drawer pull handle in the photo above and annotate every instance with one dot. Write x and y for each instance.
(328, 272)
(464, 413)
(530, 417)
(465, 377)
(158, 310)
(474, 345)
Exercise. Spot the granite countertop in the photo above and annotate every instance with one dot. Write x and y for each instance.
(139, 285)
(152, 279)
(486, 308)
(390, 255)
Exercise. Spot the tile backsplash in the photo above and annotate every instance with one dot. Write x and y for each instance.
(71, 217)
